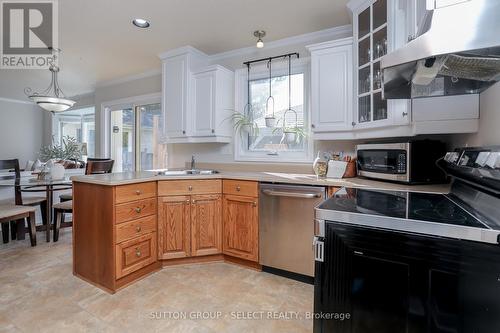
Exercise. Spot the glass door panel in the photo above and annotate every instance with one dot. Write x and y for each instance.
(364, 23)
(364, 52)
(123, 139)
(380, 43)
(364, 109)
(379, 13)
(151, 155)
(379, 107)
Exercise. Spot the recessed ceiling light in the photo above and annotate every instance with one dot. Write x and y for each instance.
(141, 23)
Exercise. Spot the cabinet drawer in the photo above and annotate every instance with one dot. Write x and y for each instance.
(134, 210)
(135, 228)
(135, 254)
(187, 187)
(241, 187)
(126, 193)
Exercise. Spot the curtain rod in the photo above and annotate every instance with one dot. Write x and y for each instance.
(247, 63)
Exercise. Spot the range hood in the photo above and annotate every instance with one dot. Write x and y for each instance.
(457, 52)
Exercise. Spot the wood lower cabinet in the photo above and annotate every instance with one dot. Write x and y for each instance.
(190, 225)
(241, 227)
(114, 233)
(174, 227)
(206, 225)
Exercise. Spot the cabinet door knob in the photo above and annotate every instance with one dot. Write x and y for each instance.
(238, 188)
(193, 202)
(254, 204)
(190, 187)
(353, 123)
(138, 228)
(213, 131)
(138, 192)
(188, 202)
(313, 126)
(138, 252)
(183, 132)
(405, 114)
(138, 210)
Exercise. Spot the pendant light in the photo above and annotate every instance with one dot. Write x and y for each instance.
(51, 99)
(270, 119)
(259, 34)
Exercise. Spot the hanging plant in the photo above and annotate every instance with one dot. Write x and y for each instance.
(291, 134)
(243, 122)
(270, 118)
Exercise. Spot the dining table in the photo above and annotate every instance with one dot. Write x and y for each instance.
(30, 183)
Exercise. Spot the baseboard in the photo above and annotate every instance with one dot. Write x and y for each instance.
(290, 275)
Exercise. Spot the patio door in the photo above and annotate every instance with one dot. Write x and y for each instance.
(135, 135)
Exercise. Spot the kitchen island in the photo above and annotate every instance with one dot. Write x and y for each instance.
(128, 225)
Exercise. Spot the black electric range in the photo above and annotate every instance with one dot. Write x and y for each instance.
(413, 262)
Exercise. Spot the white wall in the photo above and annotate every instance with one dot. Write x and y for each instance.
(21, 130)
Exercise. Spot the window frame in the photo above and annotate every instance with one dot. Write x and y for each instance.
(59, 119)
(280, 68)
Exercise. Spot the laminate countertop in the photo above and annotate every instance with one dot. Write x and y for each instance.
(123, 178)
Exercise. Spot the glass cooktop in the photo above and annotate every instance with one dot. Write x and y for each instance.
(406, 205)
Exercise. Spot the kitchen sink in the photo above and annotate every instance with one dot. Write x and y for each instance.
(191, 172)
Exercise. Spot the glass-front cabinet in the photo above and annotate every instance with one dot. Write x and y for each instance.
(376, 32)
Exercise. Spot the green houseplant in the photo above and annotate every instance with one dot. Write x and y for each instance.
(69, 149)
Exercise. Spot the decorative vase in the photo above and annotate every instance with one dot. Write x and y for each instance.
(57, 171)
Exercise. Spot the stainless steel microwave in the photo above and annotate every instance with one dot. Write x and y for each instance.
(412, 162)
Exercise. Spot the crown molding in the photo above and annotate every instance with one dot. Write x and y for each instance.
(331, 33)
(124, 79)
(12, 100)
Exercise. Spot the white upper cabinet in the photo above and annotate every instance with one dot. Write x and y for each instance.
(213, 101)
(379, 27)
(331, 86)
(196, 98)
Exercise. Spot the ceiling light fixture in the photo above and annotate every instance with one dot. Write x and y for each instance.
(259, 34)
(141, 23)
(51, 99)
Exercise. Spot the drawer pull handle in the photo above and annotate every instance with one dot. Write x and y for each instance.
(138, 228)
(138, 192)
(138, 252)
(190, 188)
(138, 210)
(254, 204)
(238, 188)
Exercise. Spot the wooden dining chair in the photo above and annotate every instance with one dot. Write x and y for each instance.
(12, 212)
(94, 166)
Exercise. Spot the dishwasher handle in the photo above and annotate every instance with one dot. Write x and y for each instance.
(275, 193)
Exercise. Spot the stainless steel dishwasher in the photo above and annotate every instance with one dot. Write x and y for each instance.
(286, 227)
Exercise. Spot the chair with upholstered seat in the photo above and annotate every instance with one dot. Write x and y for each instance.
(13, 166)
(60, 209)
(94, 166)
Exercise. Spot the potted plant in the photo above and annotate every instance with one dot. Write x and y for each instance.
(291, 135)
(68, 150)
(243, 123)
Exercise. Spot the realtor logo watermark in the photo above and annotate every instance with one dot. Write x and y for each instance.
(28, 32)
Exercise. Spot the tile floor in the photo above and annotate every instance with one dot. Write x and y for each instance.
(38, 293)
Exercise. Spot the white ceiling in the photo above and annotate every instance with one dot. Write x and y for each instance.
(99, 42)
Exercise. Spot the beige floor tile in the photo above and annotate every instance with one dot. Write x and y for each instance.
(38, 293)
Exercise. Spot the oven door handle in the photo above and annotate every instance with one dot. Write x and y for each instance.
(292, 194)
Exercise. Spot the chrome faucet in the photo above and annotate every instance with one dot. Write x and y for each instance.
(193, 162)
